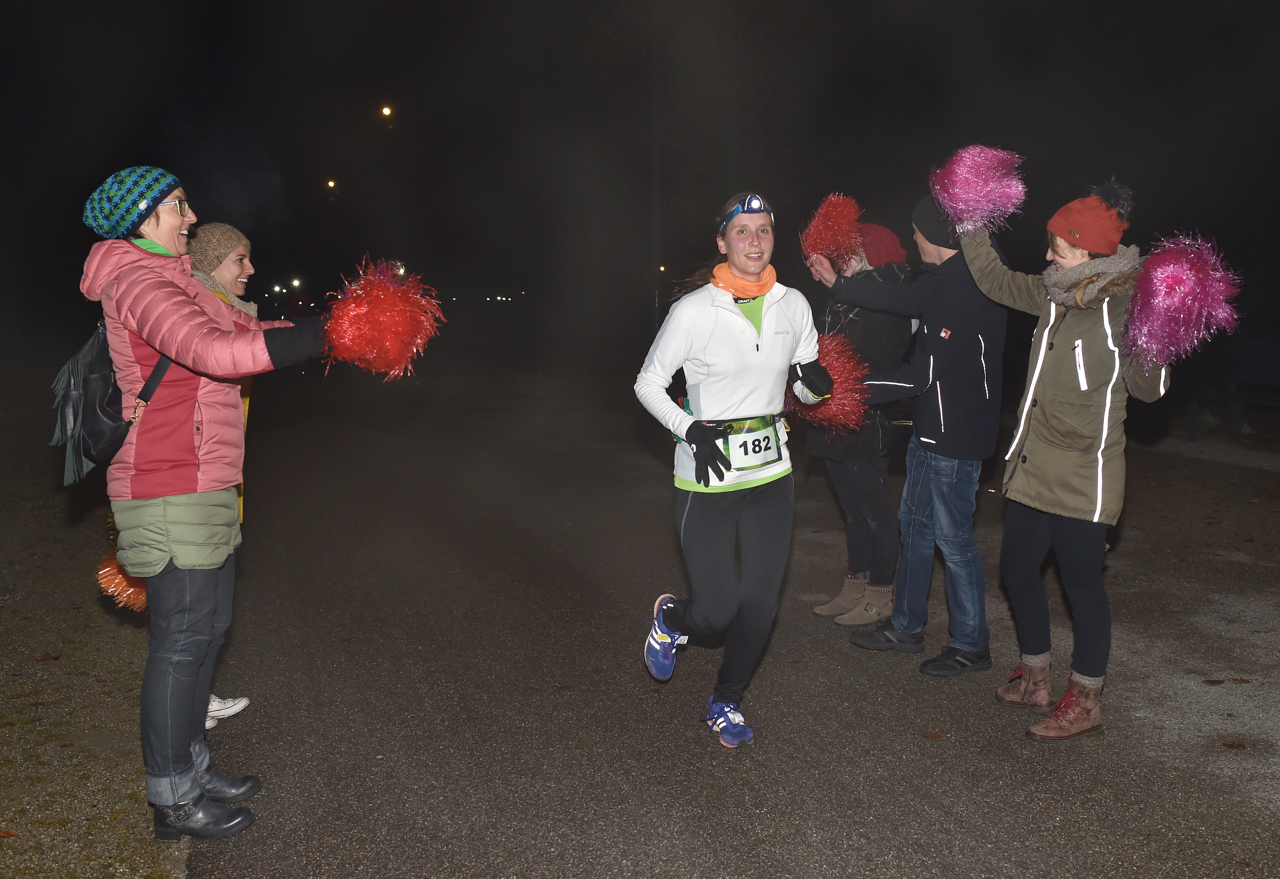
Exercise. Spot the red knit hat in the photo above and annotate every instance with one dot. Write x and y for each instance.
(1090, 224)
(881, 246)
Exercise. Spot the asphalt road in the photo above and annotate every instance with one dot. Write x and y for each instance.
(442, 598)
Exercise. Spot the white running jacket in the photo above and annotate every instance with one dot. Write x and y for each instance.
(730, 371)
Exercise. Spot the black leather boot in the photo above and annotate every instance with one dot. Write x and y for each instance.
(201, 818)
(217, 786)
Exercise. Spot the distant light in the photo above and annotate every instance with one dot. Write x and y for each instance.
(297, 283)
(277, 288)
(386, 111)
(400, 270)
(662, 268)
(521, 292)
(332, 184)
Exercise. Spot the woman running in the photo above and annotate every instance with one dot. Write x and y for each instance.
(739, 336)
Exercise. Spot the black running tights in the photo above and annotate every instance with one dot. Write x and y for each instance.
(758, 521)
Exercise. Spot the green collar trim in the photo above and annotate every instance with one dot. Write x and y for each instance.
(151, 247)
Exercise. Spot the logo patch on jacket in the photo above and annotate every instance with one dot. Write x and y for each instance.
(946, 333)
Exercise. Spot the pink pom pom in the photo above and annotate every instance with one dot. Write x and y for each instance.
(834, 232)
(845, 410)
(383, 320)
(1181, 297)
(979, 188)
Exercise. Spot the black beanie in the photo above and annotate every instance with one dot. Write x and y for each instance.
(928, 218)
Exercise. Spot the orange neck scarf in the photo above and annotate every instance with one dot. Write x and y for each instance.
(724, 278)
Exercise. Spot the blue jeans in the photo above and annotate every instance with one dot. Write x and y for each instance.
(938, 502)
(190, 614)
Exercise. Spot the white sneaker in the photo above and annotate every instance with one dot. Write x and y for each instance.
(210, 722)
(226, 707)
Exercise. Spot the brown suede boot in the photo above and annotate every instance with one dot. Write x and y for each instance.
(1078, 712)
(849, 598)
(876, 605)
(1028, 687)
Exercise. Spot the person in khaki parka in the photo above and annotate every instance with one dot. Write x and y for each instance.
(1065, 473)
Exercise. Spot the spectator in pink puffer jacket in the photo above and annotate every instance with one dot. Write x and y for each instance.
(172, 485)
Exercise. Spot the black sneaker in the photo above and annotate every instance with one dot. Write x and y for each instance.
(885, 636)
(953, 662)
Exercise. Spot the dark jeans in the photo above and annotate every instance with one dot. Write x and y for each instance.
(938, 502)
(1080, 548)
(758, 520)
(871, 523)
(190, 613)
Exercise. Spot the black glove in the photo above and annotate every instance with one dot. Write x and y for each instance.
(287, 346)
(704, 442)
(815, 378)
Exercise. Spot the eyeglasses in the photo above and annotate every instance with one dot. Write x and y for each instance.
(752, 204)
(183, 207)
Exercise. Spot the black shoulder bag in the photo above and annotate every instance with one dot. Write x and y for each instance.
(88, 403)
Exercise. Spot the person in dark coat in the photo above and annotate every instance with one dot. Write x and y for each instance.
(953, 378)
(858, 461)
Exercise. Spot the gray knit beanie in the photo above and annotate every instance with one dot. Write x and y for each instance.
(212, 243)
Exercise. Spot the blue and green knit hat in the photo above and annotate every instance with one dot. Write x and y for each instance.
(120, 205)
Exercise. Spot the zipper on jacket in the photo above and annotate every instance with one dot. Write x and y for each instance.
(1079, 351)
(758, 332)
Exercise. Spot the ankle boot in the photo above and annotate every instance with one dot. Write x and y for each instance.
(1028, 687)
(876, 605)
(1078, 712)
(849, 598)
(201, 818)
(217, 786)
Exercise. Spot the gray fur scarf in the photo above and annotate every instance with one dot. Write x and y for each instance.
(1096, 276)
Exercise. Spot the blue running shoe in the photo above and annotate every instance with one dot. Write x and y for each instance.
(726, 719)
(660, 648)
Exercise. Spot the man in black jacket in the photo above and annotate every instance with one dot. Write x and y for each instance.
(953, 377)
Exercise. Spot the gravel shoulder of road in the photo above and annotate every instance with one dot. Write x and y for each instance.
(72, 782)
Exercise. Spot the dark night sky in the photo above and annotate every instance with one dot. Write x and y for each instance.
(563, 149)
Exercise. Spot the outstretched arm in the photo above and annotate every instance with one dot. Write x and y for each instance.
(996, 280)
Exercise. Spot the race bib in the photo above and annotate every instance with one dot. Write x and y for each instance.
(752, 443)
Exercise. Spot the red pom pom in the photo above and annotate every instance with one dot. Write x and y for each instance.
(834, 231)
(846, 409)
(1181, 297)
(383, 320)
(124, 588)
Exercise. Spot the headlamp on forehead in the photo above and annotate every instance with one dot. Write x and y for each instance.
(752, 204)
